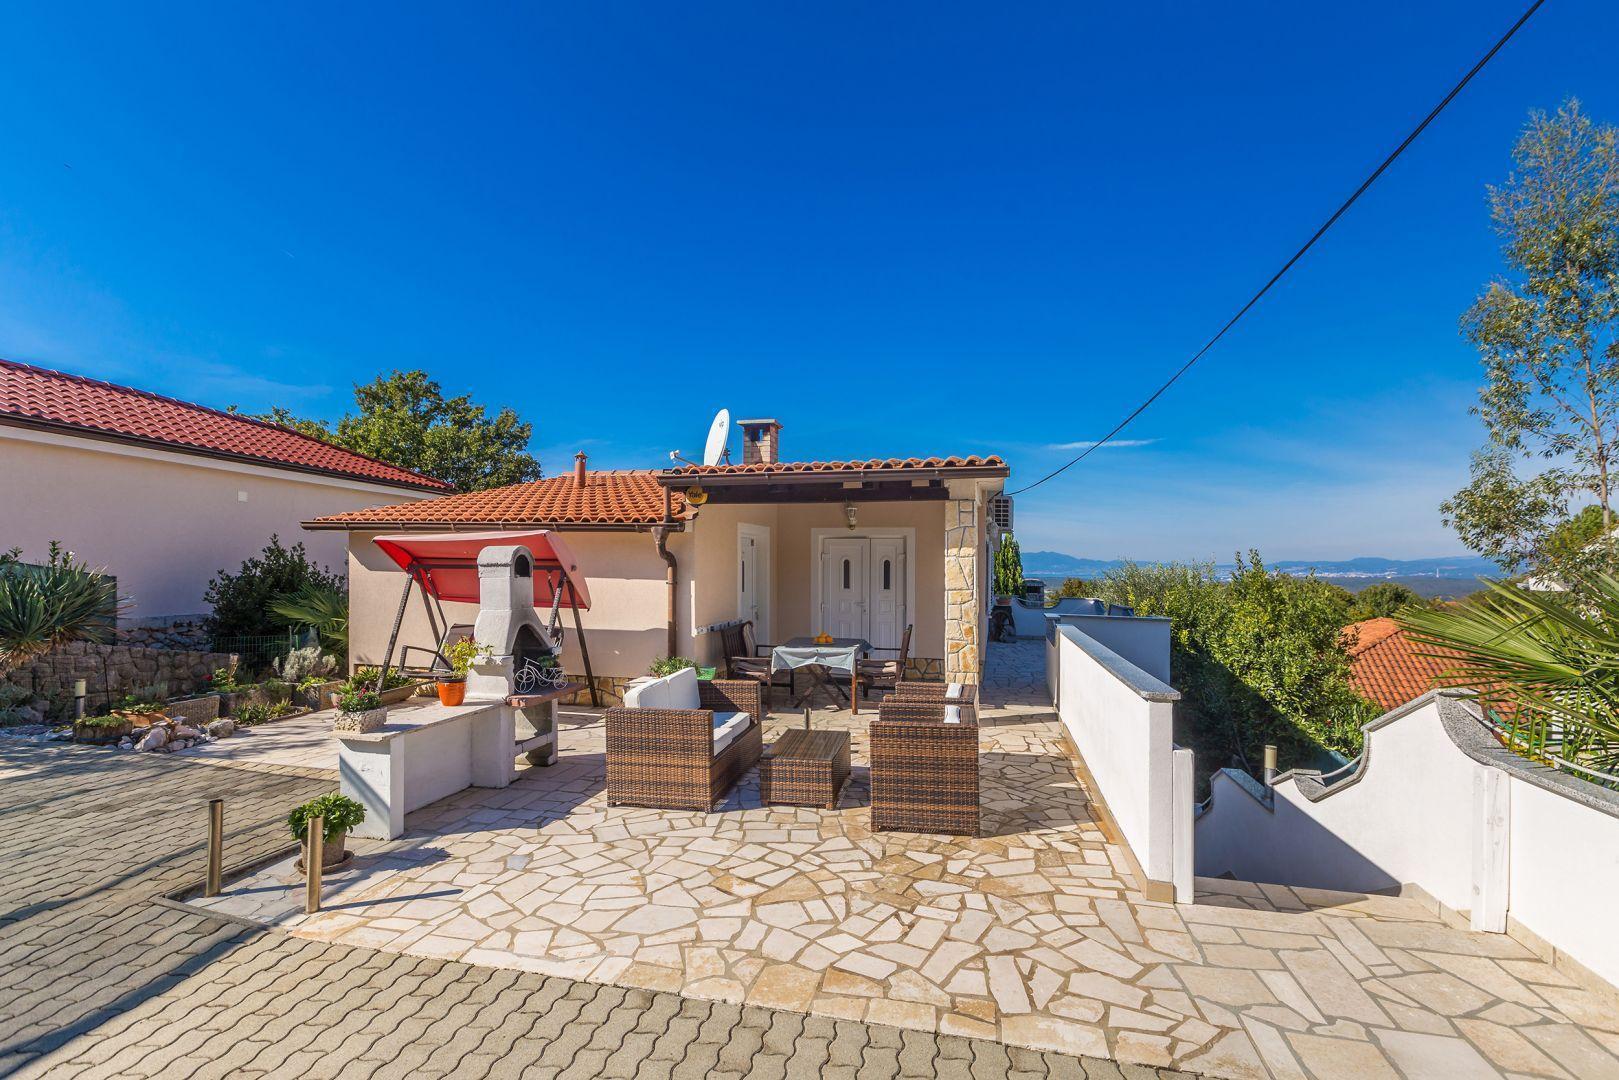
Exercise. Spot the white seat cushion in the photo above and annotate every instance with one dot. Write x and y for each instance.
(952, 714)
(683, 690)
(727, 726)
(953, 691)
(652, 694)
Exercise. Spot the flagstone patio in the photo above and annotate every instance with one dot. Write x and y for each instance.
(1034, 933)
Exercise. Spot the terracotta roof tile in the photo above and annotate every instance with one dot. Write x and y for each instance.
(608, 498)
(36, 396)
(1387, 666)
(970, 462)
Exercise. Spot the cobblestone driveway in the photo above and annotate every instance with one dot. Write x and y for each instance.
(99, 978)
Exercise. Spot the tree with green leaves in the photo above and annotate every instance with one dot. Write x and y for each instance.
(1008, 567)
(244, 602)
(1548, 335)
(1382, 600)
(405, 419)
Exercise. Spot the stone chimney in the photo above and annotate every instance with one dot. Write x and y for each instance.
(579, 469)
(761, 442)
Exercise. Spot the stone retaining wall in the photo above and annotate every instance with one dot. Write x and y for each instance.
(111, 671)
(180, 632)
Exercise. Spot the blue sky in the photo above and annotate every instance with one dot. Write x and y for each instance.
(901, 229)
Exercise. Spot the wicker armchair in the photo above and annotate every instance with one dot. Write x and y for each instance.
(936, 693)
(747, 659)
(924, 768)
(884, 674)
(665, 758)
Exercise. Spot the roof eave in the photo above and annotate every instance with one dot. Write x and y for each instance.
(317, 525)
(822, 476)
(80, 431)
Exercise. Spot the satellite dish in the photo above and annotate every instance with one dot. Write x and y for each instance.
(715, 450)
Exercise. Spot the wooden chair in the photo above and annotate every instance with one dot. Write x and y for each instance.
(924, 768)
(747, 659)
(884, 674)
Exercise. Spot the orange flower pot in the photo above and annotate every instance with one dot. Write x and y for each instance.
(452, 693)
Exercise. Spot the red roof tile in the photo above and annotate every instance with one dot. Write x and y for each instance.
(608, 498)
(1387, 666)
(992, 462)
(36, 396)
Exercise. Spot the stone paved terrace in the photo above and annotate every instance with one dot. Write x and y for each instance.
(1034, 934)
(100, 979)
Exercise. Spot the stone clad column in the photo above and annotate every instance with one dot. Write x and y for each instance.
(961, 600)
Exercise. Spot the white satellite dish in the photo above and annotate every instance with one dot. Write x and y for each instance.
(719, 431)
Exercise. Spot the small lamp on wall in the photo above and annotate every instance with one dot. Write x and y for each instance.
(849, 515)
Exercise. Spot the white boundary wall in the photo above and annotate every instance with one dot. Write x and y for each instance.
(1120, 719)
(1436, 802)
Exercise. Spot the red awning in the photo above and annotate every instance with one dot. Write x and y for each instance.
(447, 563)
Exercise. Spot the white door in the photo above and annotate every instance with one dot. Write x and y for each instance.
(886, 592)
(747, 588)
(844, 585)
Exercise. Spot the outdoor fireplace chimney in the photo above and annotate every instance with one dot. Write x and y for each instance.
(579, 469)
(761, 442)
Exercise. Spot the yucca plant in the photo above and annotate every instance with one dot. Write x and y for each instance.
(1546, 663)
(324, 609)
(48, 605)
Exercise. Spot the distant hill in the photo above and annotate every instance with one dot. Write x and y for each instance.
(1054, 565)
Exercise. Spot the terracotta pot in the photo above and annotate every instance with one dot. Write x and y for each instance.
(452, 691)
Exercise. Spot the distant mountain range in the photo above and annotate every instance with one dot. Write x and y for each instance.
(1054, 565)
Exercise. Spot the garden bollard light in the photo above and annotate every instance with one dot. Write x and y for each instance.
(314, 843)
(78, 699)
(1270, 765)
(216, 846)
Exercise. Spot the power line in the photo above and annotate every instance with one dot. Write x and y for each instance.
(1299, 254)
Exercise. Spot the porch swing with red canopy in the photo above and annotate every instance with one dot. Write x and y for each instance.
(445, 566)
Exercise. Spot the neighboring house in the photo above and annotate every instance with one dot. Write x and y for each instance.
(1387, 666)
(854, 548)
(163, 493)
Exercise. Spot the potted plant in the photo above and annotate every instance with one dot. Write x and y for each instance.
(138, 712)
(452, 688)
(339, 814)
(360, 710)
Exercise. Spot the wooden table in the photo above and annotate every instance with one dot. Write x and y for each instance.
(805, 768)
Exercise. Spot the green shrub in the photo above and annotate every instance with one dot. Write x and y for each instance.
(339, 813)
(243, 601)
(52, 604)
(1258, 657)
(224, 681)
(366, 679)
(258, 712)
(354, 701)
(668, 665)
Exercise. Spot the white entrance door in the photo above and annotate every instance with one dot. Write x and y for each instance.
(863, 588)
(886, 603)
(753, 573)
(844, 585)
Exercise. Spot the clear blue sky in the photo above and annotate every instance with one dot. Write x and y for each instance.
(901, 229)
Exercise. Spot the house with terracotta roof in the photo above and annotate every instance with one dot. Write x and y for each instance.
(165, 493)
(857, 548)
(1387, 666)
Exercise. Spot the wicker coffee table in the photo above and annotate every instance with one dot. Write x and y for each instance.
(805, 768)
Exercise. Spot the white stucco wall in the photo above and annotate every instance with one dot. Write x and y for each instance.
(1415, 816)
(1120, 719)
(164, 523)
(1142, 640)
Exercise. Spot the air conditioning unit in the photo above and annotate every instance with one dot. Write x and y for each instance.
(1000, 512)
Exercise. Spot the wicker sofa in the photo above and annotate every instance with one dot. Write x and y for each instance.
(924, 767)
(679, 743)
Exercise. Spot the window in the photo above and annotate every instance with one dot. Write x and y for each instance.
(845, 573)
(888, 574)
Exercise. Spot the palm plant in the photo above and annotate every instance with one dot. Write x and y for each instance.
(42, 607)
(320, 607)
(1547, 663)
